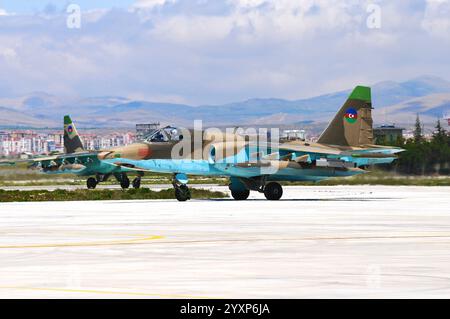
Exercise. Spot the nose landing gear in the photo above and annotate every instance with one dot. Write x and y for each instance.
(91, 183)
(182, 192)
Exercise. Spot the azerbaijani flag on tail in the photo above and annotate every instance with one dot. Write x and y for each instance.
(351, 115)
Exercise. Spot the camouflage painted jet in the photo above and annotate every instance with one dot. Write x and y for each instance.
(344, 149)
(76, 160)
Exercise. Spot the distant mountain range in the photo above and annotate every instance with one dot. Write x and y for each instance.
(394, 102)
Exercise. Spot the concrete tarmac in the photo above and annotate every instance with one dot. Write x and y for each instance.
(317, 242)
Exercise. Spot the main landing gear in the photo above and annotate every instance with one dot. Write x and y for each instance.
(273, 191)
(136, 182)
(93, 181)
(122, 178)
(240, 195)
(182, 192)
(241, 187)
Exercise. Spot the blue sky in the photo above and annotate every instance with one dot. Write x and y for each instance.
(218, 51)
(32, 6)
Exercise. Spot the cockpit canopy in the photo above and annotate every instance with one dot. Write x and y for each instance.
(165, 134)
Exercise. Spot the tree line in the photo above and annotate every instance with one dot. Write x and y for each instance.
(422, 156)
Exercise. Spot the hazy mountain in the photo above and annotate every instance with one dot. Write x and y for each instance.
(394, 102)
(15, 118)
(430, 108)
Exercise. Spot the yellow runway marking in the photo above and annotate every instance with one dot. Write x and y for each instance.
(144, 239)
(206, 241)
(104, 292)
(86, 244)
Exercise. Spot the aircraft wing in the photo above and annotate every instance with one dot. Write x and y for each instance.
(129, 166)
(370, 152)
(75, 158)
(310, 149)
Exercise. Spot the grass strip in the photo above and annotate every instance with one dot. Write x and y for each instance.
(100, 194)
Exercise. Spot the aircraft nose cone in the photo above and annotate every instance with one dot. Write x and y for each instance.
(108, 155)
(102, 155)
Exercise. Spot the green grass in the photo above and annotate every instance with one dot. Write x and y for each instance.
(20, 175)
(104, 194)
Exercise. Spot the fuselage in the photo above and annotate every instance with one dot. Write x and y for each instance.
(215, 157)
(239, 160)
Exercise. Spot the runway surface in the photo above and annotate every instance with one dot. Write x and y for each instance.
(346, 241)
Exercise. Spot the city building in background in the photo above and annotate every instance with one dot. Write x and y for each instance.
(17, 142)
(293, 135)
(144, 129)
(387, 134)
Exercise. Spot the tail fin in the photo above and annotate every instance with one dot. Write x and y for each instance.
(72, 141)
(352, 125)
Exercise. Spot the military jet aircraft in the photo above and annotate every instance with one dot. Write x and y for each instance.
(76, 160)
(345, 148)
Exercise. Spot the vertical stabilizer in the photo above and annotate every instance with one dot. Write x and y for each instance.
(352, 125)
(72, 141)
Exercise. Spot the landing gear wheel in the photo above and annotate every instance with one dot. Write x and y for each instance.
(273, 191)
(240, 195)
(125, 182)
(91, 183)
(137, 182)
(182, 193)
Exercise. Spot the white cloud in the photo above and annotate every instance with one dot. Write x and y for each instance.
(7, 53)
(222, 50)
(437, 18)
(150, 4)
(247, 3)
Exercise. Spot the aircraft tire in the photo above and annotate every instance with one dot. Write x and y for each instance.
(240, 195)
(182, 193)
(136, 183)
(273, 191)
(125, 183)
(91, 183)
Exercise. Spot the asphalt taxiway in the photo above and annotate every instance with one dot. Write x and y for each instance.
(317, 242)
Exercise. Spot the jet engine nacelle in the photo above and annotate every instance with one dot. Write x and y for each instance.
(227, 151)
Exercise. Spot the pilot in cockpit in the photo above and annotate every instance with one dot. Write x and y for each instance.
(165, 134)
(175, 135)
(158, 137)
